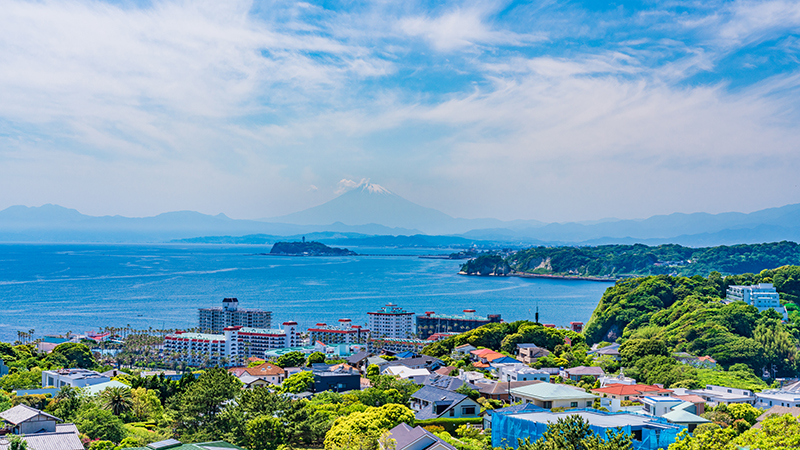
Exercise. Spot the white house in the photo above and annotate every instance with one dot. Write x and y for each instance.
(546, 395)
(72, 377)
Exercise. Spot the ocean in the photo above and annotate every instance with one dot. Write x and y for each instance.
(55, 288)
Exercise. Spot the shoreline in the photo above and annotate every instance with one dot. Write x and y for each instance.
(541, 275)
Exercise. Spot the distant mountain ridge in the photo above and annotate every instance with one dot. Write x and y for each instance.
(371, 211)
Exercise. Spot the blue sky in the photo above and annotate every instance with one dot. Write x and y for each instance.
(542, 110)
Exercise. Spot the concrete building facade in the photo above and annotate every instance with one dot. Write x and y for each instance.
(342, 333)
(432, 323)
(214, 320)
(391, 321)
(763, 296)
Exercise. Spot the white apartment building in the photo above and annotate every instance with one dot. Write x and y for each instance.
(214, 320)
(763, 296)
(391, 321)
(233, 346)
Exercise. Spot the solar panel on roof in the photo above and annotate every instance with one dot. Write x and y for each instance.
(168, 443)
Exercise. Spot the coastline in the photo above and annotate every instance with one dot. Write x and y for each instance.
(540, 275)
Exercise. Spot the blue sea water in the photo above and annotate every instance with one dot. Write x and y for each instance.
(57, 288)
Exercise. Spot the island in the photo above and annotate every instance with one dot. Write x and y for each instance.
(310, 248)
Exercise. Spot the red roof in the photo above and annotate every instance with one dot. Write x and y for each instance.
(631, 389)
(259, 370)
(706, 358)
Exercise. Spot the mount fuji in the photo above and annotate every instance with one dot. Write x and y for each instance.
(369, 203)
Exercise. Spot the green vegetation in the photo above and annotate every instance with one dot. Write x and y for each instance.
(776, 433)
(308, 249)
(639, 259)
(505, 337)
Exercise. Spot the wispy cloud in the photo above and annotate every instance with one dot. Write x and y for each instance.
(206, 100)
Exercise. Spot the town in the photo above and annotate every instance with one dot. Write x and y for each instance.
(113, 389)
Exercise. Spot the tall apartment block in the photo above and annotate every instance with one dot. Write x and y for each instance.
(391, 321)
(214, 320)
(232, 346)
(432, 323)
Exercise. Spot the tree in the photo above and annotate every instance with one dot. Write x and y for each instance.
(265, 433)
(361, 430)
(16, 443)
(634, 349)
(146, 404)
(78, 355)
(744, 411)
(315, 358)
(291, 359)
(100, 424)
(198, 406)
(373, 371)
(299, 382)
(117, 399)
(464, 389)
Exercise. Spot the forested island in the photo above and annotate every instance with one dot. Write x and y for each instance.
(310, 248)
(625, 260)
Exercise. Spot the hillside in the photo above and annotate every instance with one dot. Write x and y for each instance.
(639, 259)
(687, 314)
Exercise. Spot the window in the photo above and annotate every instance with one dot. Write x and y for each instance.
(452, 412)
(468, 410)
(573, 405)
(547, 405)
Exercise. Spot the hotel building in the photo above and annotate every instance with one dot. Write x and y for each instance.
(763, 296)
(343, 333)
(432, 323)
(233, 346)
(391, 321)
(214, 320)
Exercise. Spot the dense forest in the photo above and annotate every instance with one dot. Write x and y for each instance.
(639, 259)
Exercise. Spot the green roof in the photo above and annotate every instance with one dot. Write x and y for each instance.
(682, 416)
(549, 392)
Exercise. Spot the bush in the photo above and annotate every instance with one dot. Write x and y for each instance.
(450, 425)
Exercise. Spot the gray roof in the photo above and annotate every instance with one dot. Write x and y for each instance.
(436, 396)
(357, 358)
(64, 438)
(586, 370)
(443, 382)
(404, 436)
(22, 413)
(527, 346)
(427, 360)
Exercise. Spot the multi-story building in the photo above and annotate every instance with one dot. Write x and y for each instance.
(391, 321)
(214, 320)
(235, 344)
(432, 323)
(763, 296)
(343, 333)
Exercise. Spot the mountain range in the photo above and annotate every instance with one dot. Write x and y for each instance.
(370, 210)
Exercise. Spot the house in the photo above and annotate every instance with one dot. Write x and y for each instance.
(720, 394)
(674, 410)
(446, 370)
(260, 375)
(648, 432)
(72, 377)
(375, 361)
(404, 372)
(779, 410)
(520, 372)
(41, 431)
(529, 353)
(405, 437)
(431, 403)
(421, 362)
(499, 390)
(168, 374)
(576, 373)
(339, 378)
(547, 395)
(94, 389)
(513, 409)
(464, 349)
(631, 391)
(611, 351)
(788, 396)
(173, 444)
(3, 369)
(358, 360)
(503, 360)
(442, 382)
(618, 379)
(706, 362)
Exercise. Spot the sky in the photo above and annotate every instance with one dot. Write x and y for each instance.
(548, 110)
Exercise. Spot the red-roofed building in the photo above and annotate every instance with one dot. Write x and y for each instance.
(342, 333)
(629, 391)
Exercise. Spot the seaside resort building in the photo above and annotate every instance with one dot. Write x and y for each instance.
(763, 296)
(233, 346)
(391, 321)
(214, 320)
(343, 333)
(393, 345)
(432, 323)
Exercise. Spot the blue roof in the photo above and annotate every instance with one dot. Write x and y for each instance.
(506, 360)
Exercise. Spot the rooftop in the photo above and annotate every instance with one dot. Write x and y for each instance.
(548, 391)
(77, 374)
(595, 418)
(391, 309)
(631, 389)
(22, 413)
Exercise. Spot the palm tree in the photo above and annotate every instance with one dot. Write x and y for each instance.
(117, 399)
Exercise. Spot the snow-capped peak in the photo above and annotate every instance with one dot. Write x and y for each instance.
(363, 186)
